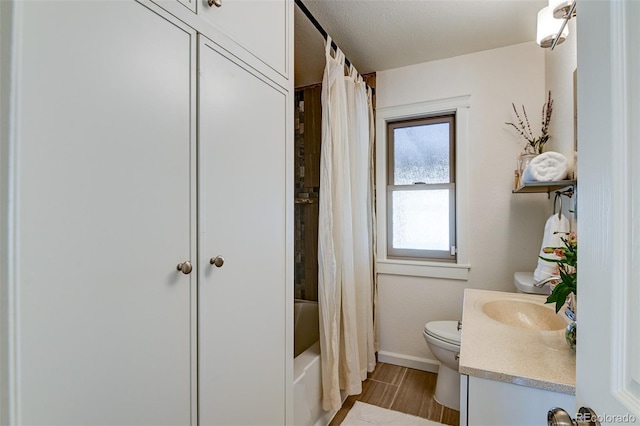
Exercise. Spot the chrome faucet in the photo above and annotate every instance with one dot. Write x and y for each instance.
(542, 283)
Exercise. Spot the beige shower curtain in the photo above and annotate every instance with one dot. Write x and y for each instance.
(345, 233)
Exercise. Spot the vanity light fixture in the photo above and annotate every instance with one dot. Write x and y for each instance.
(551, 31)
(560, 8)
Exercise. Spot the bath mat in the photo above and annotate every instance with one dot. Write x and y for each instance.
(362, 414)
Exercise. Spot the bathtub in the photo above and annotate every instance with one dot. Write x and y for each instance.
(307, 387)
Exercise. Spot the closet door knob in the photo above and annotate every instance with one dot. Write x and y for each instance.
(218, 261)
(185, 267)
(216, 3)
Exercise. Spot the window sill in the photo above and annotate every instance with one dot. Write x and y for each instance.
(451, 271)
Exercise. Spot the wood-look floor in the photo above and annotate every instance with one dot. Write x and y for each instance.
(401, 389)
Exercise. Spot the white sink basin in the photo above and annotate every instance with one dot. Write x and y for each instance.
(523, 314)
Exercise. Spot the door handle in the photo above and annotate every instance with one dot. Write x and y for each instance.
(218, 261)
(559, 417)
(185, 267)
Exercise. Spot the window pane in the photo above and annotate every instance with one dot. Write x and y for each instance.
(421, 154)
(421, 220)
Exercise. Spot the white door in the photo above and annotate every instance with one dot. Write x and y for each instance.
(102, 159)
(608, 354)
(242, 163)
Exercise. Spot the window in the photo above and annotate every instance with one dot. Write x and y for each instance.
(433, 260)
(421, 213)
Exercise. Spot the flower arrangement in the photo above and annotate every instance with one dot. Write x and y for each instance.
(534, 144)
(567, 261)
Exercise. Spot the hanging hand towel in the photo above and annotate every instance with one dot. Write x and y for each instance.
(546, 167)
(555, 229)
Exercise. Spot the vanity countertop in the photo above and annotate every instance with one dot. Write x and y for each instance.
(493, 350)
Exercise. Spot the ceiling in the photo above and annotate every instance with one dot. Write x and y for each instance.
(377, 35)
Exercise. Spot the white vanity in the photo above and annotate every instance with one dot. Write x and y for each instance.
(514, 362)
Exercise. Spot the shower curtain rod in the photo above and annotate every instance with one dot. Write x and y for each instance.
(322, 31)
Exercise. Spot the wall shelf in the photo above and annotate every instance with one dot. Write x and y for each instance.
(543, 187)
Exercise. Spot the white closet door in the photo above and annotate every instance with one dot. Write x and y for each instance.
(104, 167)
(241, 212)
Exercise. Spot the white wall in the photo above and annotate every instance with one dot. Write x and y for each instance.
(505, 229)
(560, 64)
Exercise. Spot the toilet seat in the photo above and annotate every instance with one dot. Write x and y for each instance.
(444, 330)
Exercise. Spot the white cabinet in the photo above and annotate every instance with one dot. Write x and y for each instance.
(259, 32)
(121, 170)
(189, 4)
(487, 402)
(259, 26)
(242, 165)
(103, 213)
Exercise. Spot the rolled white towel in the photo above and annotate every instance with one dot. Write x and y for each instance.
(546, 167)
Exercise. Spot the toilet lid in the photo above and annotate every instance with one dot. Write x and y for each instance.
(444, 330)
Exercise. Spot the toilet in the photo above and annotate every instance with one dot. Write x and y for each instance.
(443, 339)
(523, 281)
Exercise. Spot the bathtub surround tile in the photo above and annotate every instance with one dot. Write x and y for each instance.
(401, 389)
(306, 186)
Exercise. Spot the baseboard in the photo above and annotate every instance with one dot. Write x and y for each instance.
(403, 360)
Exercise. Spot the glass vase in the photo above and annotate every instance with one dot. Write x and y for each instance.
(572, 313)
(523, 161)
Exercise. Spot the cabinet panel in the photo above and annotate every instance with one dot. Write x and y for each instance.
(104, 165)
(189, 4)
(261, 27)
(241, 212)
(489, 402)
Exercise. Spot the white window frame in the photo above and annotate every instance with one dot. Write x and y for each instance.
(459, 270)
